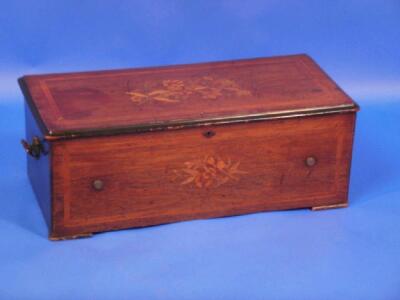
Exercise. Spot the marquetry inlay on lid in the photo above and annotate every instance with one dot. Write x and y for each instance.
(89, 103)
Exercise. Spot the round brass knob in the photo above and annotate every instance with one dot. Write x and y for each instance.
(311, 161)
(98, 184)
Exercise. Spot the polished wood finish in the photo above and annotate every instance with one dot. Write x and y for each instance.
(155, 178)
(140, 147)
(78, 103)
(39, 170)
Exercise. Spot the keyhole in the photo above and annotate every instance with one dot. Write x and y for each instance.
(208, 133)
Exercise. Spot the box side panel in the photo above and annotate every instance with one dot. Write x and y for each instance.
(346, 151)
(349, 149)
(39, 169)
(108, 183)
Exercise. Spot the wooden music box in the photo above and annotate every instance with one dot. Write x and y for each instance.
(137, 147)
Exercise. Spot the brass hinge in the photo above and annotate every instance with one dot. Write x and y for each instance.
(35, 148)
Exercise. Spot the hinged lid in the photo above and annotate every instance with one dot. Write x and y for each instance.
(132, 100)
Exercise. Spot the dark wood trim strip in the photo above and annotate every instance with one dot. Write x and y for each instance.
(179, 124)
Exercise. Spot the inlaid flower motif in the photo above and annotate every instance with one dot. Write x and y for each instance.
(173, 85)
(211, 171)
(174, 90)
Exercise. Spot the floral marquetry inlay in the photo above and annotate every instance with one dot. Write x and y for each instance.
(173, 91)
(211, 171)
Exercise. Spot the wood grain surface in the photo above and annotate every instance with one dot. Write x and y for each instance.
(90, 101)
(160, 177)
(146, 146)
(39, 170)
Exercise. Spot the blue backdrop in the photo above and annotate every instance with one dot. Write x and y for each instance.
(351, 253)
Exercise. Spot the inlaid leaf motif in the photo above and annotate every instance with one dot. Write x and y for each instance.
(211, 171)
(174, 90)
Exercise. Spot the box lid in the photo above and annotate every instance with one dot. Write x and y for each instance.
(160, 98)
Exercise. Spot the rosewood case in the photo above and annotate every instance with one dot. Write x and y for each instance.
(129, 148)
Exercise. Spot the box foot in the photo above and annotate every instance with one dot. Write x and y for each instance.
(71, 237)
(322, 207)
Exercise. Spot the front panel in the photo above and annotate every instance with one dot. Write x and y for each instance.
(145, 179)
